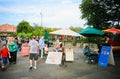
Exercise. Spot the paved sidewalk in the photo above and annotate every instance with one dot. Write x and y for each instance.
(77, 69)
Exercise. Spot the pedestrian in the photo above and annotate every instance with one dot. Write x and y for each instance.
(13, 48)
(34, 51)
(57, 42)
(61, 49)
(19, 43)
(46, 50)
(5, 55)
(0, 62)
(2, 42)
(41, 46)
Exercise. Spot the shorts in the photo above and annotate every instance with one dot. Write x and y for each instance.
(4, 60)
(33, 56)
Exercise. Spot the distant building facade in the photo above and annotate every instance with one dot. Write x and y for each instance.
(7, 29)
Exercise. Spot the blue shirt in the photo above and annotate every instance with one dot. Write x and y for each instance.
(87, 51)
(41, 44)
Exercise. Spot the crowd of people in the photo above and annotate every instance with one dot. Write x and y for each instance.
(37, 48)
(8, 52)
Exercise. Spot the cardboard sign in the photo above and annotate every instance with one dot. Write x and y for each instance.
(69, 54)
(54, 58)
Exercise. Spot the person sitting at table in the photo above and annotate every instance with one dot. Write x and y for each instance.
(94, 55)
(86, 51)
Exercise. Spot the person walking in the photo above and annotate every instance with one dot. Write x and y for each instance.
(41, 46)
(12, 46)
(5, 55)
(34, 47)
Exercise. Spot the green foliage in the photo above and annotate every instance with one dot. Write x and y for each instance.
(19, 34)
(37, 31)
(24, 27)
(24, 35)
(95, 40)
(101, 13)
(76, 28)
(49, 29)
(14, 34)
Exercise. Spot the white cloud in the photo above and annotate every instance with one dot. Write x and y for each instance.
(20, 10)
(61, 14)
(66, 2)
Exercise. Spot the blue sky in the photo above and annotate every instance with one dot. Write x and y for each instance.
(55, 13)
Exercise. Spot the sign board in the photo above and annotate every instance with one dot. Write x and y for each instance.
(54, 58)
(25, 50)
(111, 58)
(69, 54)
(104, 56)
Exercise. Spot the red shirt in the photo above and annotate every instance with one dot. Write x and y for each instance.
(4, 52)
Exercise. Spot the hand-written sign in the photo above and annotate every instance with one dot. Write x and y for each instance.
(54, 58)
(69, 54)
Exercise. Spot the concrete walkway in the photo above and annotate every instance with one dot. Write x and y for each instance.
(77, 69)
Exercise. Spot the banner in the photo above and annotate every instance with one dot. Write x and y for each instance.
(69, 54)
(104, 56)
(54, 58)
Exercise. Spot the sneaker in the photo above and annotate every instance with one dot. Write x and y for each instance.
(3, 69)
(10, 63)
(86, 61)
(14, 62)
(35, 67)
(30, 67)
(92, 61)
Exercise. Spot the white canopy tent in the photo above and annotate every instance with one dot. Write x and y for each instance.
(67, 32)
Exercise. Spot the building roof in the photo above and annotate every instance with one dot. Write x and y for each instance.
(7, 28)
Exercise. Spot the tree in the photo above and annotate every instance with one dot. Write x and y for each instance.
(75, 28)
(36, 31)
(101, 13)
(24, 27)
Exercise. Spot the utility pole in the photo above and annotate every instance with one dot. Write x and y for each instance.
(41, 18)
(41, 23)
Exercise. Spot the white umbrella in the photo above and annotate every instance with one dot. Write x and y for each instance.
(67, 32)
